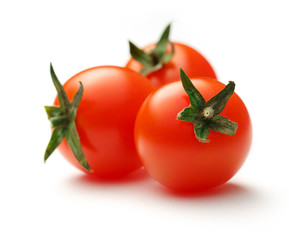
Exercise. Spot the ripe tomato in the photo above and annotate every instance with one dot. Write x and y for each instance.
(160, 62)
(190, 60)
(169, 149)
(105, 118)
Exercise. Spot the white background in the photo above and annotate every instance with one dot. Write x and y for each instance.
(245, 41)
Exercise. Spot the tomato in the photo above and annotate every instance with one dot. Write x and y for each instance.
(169, 149)
(190, 60)
(160, 62)
(105, 119)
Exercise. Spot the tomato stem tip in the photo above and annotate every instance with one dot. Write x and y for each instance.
(153, 59)
(205, 114)
(63, 124)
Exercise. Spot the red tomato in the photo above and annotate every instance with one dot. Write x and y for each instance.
(185, 57)
(105, 118)
(171, 153)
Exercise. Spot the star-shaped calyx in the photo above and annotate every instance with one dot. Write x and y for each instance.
(63, 124)
(206, 114)
(153, 59)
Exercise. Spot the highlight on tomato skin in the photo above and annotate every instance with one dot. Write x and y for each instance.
(160, 62)
(169, 149)
(105, 119)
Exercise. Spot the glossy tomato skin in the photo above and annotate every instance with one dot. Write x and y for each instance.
(171, 153)
(105, 118)
(185, 57)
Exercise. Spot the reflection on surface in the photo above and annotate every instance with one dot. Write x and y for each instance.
(135, 176)
(226, 189)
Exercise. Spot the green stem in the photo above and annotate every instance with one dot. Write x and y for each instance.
(205, 115)
(63, 124)
(155, 58)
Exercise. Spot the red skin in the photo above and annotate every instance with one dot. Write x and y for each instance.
(171, 153)
(185, 57)
(105, 118)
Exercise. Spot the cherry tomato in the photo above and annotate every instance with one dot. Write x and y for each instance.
(169, 149)
(105, 118)
(190, 60)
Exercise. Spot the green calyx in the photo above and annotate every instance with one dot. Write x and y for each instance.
(153, 59)
(63, 124)
(205, 115)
